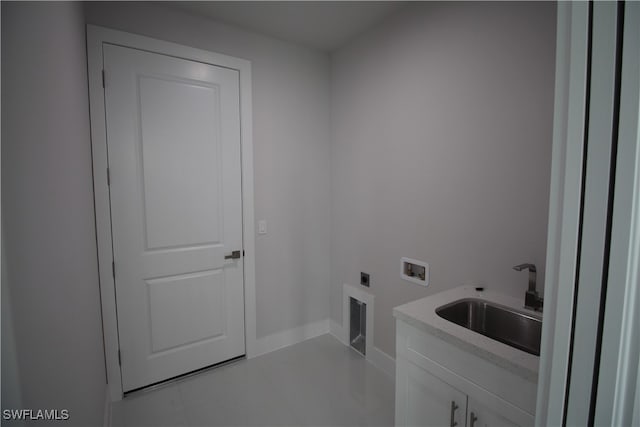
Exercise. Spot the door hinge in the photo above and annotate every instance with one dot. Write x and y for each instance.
(113, 269)
(108, 176)
(242, 253)
(119, 358)
(103, 80)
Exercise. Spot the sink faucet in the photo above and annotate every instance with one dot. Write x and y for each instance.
(531, 299)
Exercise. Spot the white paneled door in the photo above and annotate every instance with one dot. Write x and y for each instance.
(173, 138)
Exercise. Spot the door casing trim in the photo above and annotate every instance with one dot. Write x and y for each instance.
(96, 37)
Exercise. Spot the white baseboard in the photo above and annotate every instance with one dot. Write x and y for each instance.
(382, 361)
(375, 356)
(337, 331)
(107, 407)
(289, 337)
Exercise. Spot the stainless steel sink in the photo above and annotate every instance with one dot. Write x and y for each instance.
(511, 327)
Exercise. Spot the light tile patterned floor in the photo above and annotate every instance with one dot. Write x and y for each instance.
(319, 382)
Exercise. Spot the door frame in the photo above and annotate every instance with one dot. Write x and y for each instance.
(563, 231)
(617, 400)
(96, 37)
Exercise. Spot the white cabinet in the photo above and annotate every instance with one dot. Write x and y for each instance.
(427, 400)
(438, 384)
(479, 415)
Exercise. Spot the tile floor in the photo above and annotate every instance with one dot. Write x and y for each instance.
(318, 382)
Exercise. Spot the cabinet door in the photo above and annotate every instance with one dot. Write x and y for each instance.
(479, 415)
(425, 400)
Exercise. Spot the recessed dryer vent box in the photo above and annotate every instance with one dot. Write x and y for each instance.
(414, 271)
(358, 325)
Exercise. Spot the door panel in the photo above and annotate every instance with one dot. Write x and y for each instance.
(430, 401)
(186, 309)
(169, 168)
(480, 415)
(173, 136)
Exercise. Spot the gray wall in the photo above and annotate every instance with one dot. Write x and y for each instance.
(291, 151)
(47, 210)
(441, 151)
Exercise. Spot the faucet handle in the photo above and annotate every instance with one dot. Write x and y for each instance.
(527, 266)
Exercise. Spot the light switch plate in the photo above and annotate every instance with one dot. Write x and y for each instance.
(262, 226)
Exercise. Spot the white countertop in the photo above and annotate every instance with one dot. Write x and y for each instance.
(422, 315)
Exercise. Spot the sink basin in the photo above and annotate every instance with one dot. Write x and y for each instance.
(511, 327)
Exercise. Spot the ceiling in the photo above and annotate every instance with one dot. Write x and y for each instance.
(324, 25)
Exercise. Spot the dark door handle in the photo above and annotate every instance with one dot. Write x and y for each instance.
(233, 255)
